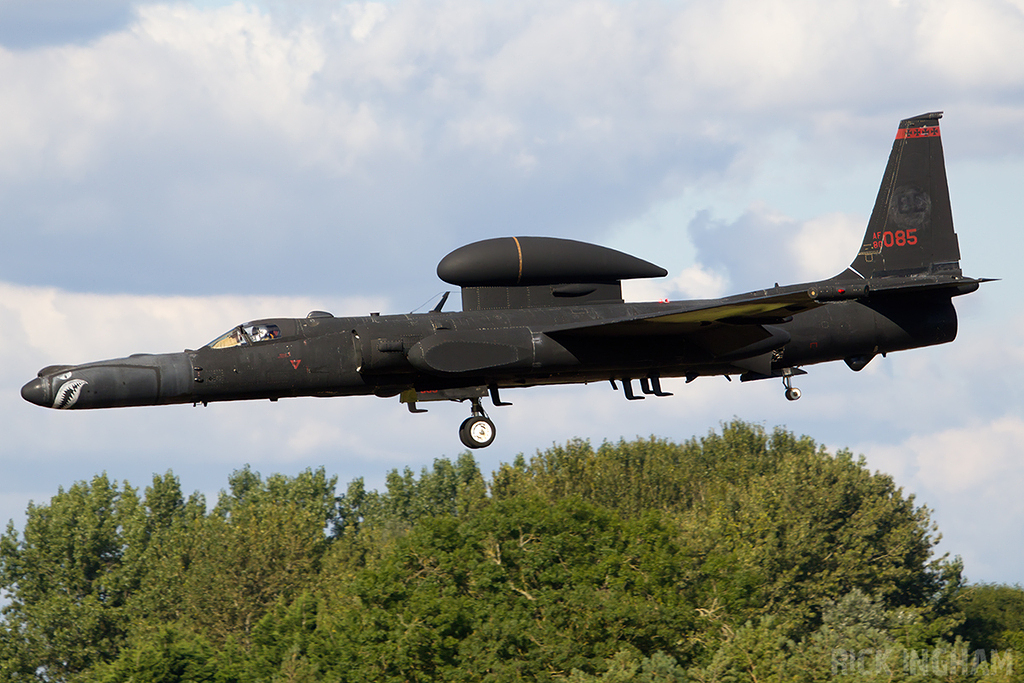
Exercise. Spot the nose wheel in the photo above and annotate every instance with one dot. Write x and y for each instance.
(477, 431)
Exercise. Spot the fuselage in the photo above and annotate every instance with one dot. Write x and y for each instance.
(386, 355)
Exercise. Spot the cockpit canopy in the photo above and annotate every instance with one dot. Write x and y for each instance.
(243, 335)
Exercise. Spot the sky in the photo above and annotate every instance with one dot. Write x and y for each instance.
(169, 170)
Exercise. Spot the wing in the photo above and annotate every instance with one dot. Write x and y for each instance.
(762, 307)
(739, 330)
(758, 308)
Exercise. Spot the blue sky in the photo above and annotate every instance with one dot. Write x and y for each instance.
(168, 170)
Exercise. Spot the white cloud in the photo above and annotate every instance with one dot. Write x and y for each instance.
(825, 245)
(694, 282)
(971, 477)
(649, 73)
(70, 327)
(979, 460)
(365, 16)
(983, 458)
(764, 246)
(975, 45)
(697, 282)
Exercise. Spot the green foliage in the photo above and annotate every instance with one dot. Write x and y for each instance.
(994, 615)
(809, 530)
(741, 555)
(220, 573)
(66, 583)
(631, 477)
(169, 655)
(448, 489)
(756, 652)
(98, 564)
(628, 667)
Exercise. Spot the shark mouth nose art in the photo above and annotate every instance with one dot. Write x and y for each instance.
(68, 394)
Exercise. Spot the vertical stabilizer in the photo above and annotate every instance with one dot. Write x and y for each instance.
(911, 227)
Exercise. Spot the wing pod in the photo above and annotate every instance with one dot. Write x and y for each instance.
(518, 261)
(532, 272)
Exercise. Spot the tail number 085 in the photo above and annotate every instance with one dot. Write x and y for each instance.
(899, 238)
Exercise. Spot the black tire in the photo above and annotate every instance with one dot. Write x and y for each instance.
(477, 432)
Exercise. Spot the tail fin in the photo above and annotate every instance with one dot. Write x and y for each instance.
(911, 227)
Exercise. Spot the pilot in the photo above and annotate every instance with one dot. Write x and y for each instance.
(263, 332)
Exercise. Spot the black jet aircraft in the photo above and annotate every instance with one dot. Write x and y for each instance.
(540, 310)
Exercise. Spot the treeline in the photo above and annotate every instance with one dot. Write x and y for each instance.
(739, 556)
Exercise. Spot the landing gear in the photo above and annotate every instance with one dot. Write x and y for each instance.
(792, 393)
(477, 431)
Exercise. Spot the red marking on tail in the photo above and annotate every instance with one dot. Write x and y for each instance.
(923, 132)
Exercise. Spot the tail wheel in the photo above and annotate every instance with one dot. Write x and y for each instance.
(477, 432)
(792, 393)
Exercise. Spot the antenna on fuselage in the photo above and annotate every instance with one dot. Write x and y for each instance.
(435, 309)
(440, 304)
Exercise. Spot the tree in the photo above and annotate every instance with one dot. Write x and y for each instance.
(628, 667)
(994, 616)
(446, 489)
(161, 551)
(521, 588)
(220, 573)
(798, 527)
(169, 655)
(66, 582)
(742, 554)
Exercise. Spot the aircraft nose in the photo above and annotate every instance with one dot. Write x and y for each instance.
(35, 392)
